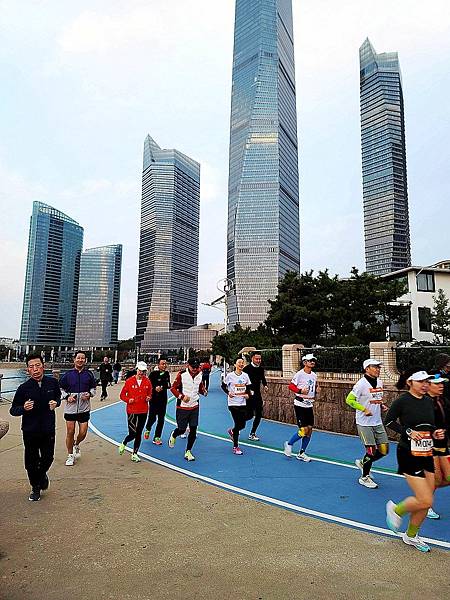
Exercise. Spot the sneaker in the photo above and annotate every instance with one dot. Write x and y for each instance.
(171, 441)
(146, 434)
(76, 451)
(157, 441)
(237, 450)
(70, 461)
(230, 433)
(189, 456)
(432, 515)
(135, 458)
(121, 449)
(358, 463)
(303, 456)
(367, 482)
(287, 449)
(393, 520)
(184, 435)
(417, 542)
(35, 495)
(253, 437)
(45, 483)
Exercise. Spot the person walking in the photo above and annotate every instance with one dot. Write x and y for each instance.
(255, 402)
(412, 416)
(187, 388)
(117, 367)
(136, 393)
(304, 386)
(160, 380)
(35, 401)
(105, 376)
(237, 386)
(206, 372)
(366, 398)
(78, 386)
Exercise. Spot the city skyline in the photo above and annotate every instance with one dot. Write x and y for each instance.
(85, 81)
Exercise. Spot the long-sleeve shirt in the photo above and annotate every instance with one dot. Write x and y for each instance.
(40, 419)
(257, 377)
(136, 395)
(160, 379)
(187, 389)
(412, 413)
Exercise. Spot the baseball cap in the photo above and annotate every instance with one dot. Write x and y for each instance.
(420, 376)
(438, 379)
(194, 362)
(371, 361)
(309, 357)
(141, 366)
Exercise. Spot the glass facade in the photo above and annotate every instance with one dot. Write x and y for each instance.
(385, 194)
(169, 242)
(263, 240)
(99, 297)
(52, 277)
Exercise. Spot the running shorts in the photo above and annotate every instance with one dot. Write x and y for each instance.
(304, 416)
(82, 417)
(187, 418)
(372, 435)
(413, 465)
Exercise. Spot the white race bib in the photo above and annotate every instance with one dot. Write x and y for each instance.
(422, 447)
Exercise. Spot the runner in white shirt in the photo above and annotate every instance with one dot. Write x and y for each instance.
(304, 386)
(237, 386)
(366, 398)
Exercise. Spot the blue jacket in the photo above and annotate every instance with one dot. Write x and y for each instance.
(76, 383)
(40, 419)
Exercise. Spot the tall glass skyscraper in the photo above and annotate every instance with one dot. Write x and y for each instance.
(52, 276)
(385, 192)
(169, 241)
(99, 297)
(263, 240)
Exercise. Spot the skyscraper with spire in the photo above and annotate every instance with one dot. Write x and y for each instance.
(169, 241)
(263, 239)
(383, 148)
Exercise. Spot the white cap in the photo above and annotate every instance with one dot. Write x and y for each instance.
(309, 357)
(371, 361)
(438, 379)
(141, 366)
(420, 376)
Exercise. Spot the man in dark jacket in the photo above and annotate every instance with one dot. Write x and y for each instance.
(160, 380)
(105, 376)
(35, 401)
(255, 403)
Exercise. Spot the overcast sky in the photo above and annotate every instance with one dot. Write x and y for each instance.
(84, 82)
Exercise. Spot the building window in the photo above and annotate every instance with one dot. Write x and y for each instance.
(425, 282)
(424, 318)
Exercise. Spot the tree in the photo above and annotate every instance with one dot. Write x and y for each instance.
(440, 317)
(229, 344)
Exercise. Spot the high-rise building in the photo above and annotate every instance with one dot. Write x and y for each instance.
(385, 193)
(99, 297)
(51, 280)
(263, 240)
(169, 242)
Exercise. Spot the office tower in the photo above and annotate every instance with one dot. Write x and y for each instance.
(385, 193)
(51, 280)
(99, 297)
(169, 241)
(263, 240)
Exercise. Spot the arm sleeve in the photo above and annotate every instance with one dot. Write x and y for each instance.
(352, 401)
(391, 418)
(17, 409)
(293, 388)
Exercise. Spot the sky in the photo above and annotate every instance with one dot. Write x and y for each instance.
(84, 82)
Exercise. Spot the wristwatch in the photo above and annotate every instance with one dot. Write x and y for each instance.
(409, 432)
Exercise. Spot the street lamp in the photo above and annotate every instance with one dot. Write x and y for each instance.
(226, 286)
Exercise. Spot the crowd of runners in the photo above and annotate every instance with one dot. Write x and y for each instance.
(420, 415)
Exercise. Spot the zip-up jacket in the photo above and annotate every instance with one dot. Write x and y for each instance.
(184, 386)
(40, 419)
(136, 395)
(106, 370)
(75, 383)
(159, 379)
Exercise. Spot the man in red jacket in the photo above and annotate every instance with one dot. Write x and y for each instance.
(136, 393)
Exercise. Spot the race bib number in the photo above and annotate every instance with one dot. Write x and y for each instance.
(239, 389)
(422, 447)
(376, 395)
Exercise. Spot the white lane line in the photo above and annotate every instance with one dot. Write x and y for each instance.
(268, 499)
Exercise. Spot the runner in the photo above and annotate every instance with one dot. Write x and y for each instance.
(414, 410)
(106, 376)
(255, 403)
(35, 401)
(366, 398)
(304, 386)
(160, 380)
(136, 393)
(206, 371)
(78, 386)
(237, 386)
(187, 388)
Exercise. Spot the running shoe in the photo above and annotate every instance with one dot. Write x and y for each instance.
(76, 451)
(287, 449)
(368, 482)
(237, 450)
(146, 434)
(157, 442)
(171, 441)
(45, 483)
(303, 456)
(35, 495)
(393, 520)
(253, 437)
(189, 456)
(230, 433)
(417, 542)
(358, 463)
(70, 461)
(135, 458)
(121, 449)
(432, 515)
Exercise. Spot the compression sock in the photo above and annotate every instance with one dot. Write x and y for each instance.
(294, 439)
(400, 509)
(366, 464)
(412, 530)
(305, 442)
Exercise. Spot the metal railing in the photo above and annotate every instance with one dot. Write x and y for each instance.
(271, 358)
(338, 359)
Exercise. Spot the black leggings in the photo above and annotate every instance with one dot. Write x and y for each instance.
(255, 408)
(156, 409)
(192, 435)
(136, 425)
(240, 415)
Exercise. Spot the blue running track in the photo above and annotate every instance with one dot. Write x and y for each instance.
(325, 488)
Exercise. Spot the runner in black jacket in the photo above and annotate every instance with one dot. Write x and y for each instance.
(255, 403)
(160, 380)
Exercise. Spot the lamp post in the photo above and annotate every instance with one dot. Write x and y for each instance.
(226, 286)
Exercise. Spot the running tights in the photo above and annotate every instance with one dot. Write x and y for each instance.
(192, 435)
(368, 461)
(136, 425)
(239, 414)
